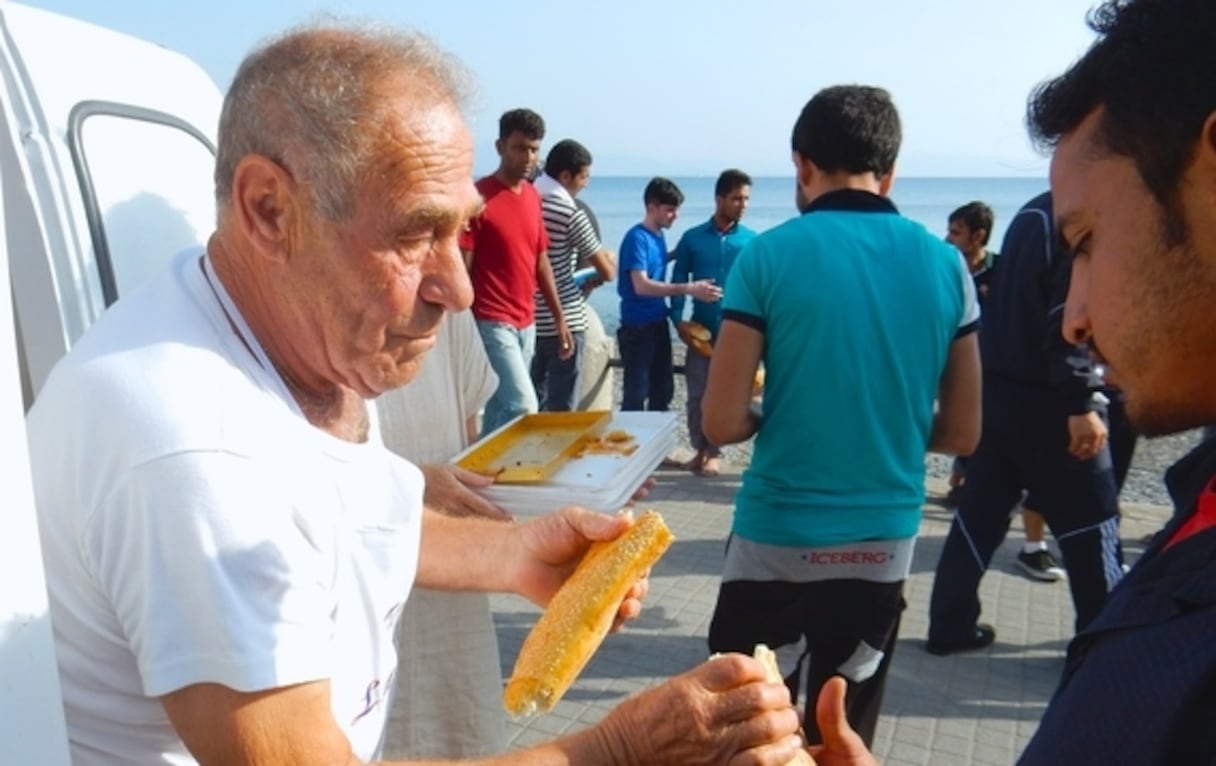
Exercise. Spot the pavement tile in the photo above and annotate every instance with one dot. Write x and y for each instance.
(975, 708)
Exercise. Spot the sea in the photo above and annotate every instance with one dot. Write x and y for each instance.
(617, 203)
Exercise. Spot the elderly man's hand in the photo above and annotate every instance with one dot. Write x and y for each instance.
(547, 550)
(449, 490)
(721, 712)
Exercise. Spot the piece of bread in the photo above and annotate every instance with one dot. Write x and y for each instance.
(580, 615)
(702, 347)
(698, 331)
(700, 339)
(768, 658)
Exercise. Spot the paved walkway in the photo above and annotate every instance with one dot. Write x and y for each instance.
(971, 708)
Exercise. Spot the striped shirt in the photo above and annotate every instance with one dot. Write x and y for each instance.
(571, 238)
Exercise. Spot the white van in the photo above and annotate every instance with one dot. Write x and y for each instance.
(107, 145)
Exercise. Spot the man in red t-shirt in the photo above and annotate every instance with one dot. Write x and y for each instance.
(505, 249)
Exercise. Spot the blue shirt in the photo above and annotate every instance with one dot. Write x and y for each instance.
(641, 250)
(858, 306)
(706, 252)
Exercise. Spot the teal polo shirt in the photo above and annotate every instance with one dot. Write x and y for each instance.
(706, 252)
(858, 307)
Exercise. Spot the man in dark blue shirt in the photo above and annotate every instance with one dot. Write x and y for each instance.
(1042, 434)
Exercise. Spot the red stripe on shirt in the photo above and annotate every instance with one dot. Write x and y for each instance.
(1203, 518)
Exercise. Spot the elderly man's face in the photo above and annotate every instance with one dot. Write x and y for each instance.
(381, 281)
(1146, 304)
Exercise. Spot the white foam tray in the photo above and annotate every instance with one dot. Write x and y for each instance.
(597, 482)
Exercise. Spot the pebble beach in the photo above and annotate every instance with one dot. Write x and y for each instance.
(1144, 480)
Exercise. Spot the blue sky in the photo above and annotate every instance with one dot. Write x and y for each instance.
(691, 86)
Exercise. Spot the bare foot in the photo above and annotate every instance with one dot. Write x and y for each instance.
(709, 467)
(694, 463)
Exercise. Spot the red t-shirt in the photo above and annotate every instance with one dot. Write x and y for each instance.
(506, 240)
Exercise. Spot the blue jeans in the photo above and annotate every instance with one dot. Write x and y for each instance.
(557, 380)
(510, 350)
(646, 353)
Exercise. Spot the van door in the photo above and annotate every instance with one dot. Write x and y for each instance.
(31, 712)
(107, 154)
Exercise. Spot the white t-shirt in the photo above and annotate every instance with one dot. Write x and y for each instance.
(196, 528)
(447, 698)
(424, 421)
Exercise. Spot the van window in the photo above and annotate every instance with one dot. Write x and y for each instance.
(147, 183)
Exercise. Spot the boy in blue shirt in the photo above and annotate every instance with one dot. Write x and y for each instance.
(644, 336)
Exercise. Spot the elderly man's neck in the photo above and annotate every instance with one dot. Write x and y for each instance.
(327, 404)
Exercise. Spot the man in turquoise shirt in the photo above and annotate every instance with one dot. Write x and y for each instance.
(707, 251)
(865, 322)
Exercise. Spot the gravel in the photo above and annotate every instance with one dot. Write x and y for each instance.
(1144, 479)
(1143, 485)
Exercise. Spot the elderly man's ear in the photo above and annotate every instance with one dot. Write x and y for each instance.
(266, 202)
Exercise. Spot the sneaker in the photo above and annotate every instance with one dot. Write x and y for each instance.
(983, 636)
(1040, 565)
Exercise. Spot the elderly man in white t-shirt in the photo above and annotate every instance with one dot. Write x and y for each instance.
(228, 542)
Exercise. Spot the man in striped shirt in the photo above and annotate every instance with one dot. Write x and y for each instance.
(571, 237)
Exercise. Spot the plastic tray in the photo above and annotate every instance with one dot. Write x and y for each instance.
(531, 448)
(595, 481)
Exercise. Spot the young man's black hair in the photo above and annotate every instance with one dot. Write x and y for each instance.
(662, 191)
(1150, 72)
(524, 121)
(567, 156)
(851, 128)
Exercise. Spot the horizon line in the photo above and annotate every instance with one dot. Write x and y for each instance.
(902, 176)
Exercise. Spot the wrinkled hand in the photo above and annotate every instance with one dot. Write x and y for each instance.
(1086, 435)
(549, 548)
(841, 745)
(721, 712)
(705, 291)
(449, 490)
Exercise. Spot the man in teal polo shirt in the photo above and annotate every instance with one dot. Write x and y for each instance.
(707, 251)
(863, 320)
